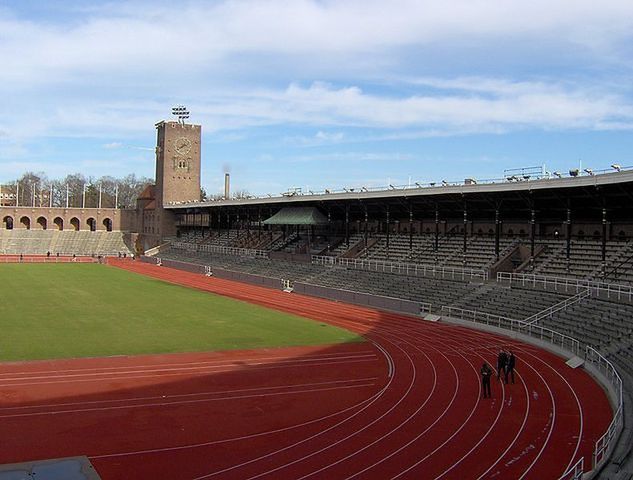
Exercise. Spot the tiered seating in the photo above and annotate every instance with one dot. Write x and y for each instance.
(39, 242)
(585, 260)
(514, 303)
(342, 247)
(480, 251)
(619, 268)
(602, 324)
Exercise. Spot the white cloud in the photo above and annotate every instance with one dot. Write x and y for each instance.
(175, 39)
(112, 145)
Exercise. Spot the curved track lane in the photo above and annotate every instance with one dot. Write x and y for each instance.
(421, 416)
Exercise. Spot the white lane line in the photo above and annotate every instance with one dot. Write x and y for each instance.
(261, 457)
(394, 333)
(205, 362)
(368, 401)
(578, 404)
(240, 365)
(185, 395)
(179, 374)
(182, 402)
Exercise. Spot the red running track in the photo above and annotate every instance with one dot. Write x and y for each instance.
(405, 404)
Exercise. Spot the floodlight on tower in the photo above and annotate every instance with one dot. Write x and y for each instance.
(181, 112)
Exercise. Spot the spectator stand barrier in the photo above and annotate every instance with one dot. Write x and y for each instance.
(360, 298)
(237, 252)
(563, 305)
(606, 443)
(411, 269)
(51, 259)
(609, 291)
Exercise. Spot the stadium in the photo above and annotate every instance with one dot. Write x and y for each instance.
(335, 334)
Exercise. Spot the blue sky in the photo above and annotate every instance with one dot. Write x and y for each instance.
(318, 94)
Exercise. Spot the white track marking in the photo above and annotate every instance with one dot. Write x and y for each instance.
(185, 395)
(310, 437)
(187, 364)
(182, 402)
(159, 368)
(178, 374)
(516, 437)
(192, 446)
(406, 420)
(580, 434)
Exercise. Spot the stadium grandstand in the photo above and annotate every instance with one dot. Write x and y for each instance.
(541, 258)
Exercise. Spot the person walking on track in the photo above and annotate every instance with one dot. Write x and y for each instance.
(486, 373)
(510, 366)
(502, 361)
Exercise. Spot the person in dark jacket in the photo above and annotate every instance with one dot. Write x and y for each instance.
(502, 361)
(486, 373)
(510, 366)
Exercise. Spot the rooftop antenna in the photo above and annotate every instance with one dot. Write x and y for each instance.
(181, 112)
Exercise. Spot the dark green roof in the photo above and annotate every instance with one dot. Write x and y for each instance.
(297, 216)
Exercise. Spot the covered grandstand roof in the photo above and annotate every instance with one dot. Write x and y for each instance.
(297, 216)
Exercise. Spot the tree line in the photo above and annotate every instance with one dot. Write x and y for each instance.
(75, 191)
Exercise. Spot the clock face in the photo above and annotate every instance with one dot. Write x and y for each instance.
(182, 145)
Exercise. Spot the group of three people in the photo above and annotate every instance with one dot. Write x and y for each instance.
(506, 361)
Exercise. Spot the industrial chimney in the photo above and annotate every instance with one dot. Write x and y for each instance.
(227, 188)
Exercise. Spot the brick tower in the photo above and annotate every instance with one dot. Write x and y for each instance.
(177, 171)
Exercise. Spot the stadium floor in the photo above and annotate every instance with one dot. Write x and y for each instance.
(406, 404)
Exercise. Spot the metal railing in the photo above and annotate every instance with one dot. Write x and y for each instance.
(549, 311)
(602, 289)
(575, 472)
(403, 268)
(51, 259)
(535, 331)
(606, 443)
(237, 252)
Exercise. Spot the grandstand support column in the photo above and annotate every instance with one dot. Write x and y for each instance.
(248, 224)
(329, 229)
(366, 227)
(387, 231)
(437, 231)
(497, 232)
(532, 232)
(410, 227)
(604, 243)
(259, 224)
(465, 234)
(347, 226)
(228, 224)
(568, 239)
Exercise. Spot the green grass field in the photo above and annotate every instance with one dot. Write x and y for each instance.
(85, 310)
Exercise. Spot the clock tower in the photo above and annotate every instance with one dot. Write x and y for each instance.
(177, 163)
(177, 175)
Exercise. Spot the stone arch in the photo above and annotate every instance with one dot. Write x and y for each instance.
(42, 223)
(75, 223)
(622, 235)
(25, 222)
(107, 223)
(59, 223)
(92, 224)
(596, 235)
(7, 222)
(581, 234)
